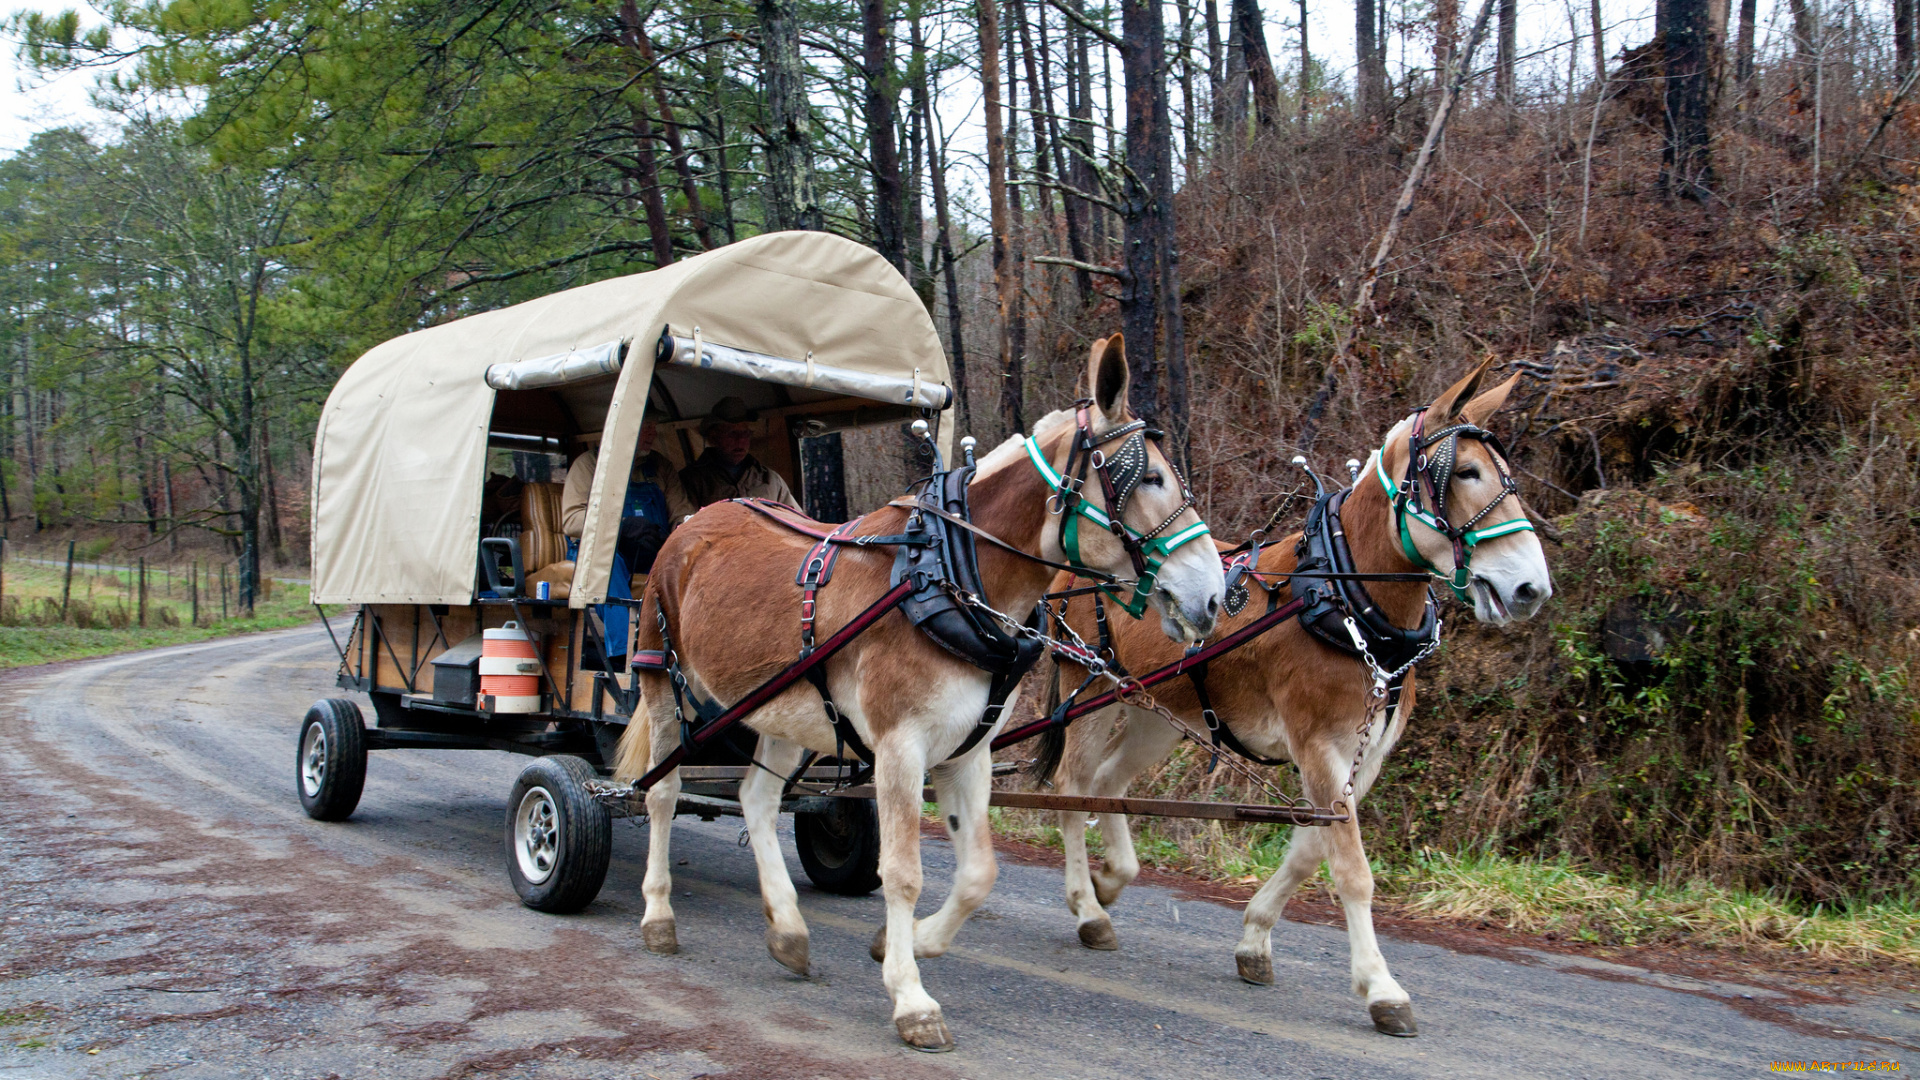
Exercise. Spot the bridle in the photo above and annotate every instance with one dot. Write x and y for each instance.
(1428, 479)
(1120, 474)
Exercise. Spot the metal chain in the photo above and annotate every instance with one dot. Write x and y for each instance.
(1127, 689)
(1377, 694)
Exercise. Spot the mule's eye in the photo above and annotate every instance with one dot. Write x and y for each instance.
(1471, 472)
(1152, 479)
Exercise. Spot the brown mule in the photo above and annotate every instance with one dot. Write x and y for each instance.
(1288, 695)
(725, 581)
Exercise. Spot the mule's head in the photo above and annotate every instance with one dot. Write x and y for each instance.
(1150, 499)
(1506, 577)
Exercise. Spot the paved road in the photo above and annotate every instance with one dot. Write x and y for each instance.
(169, 911)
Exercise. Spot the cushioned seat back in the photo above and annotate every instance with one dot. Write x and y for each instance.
(541, 542)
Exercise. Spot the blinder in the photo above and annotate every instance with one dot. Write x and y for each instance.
(1120, 475)
(1428, 482)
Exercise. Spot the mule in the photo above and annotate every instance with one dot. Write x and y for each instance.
(725, 582)
(1287, 695)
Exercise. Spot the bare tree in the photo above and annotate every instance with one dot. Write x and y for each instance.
(1266, 85)
(1686, 161)
(989, 26)
(1371, 70)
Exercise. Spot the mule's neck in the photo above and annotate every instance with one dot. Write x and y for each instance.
(1011, 503)
(1367, 518)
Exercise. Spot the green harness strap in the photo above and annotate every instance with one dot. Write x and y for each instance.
(1157, 550)
(1404, 508)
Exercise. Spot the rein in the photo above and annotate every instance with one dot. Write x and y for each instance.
(1426, 484)
(1120, 475)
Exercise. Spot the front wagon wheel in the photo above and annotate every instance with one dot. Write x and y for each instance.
(330, 769)
(559, 839)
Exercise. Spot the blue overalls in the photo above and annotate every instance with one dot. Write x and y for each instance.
(646, 500)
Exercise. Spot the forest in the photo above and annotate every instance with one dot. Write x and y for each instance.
(1694, 231)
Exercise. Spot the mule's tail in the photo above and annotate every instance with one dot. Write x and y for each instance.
(1053, 742)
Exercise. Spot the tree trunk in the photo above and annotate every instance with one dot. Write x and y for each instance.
(1686, 161)
(790, 198)
(1253, 39)
(1013, 387)
(989, 21)
(1063, 164)
(884, 152)
(1446, 37)
(1216, 69)
(696, 210)
(1233, 108)
(1306, 69)
(917, 136)
(1804, 32)
(1503, 73)
(1038, 107)
(1081, 172)
(1185, 67)
(1141, 31)
(943, 242)
(1906, 37)
(1600, 45)
(645, 171)
(1167, 257)
(1743, 45)
(1371, 70)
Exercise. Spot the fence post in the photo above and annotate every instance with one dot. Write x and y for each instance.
(223, 592)
(143, 592)
(66, 590)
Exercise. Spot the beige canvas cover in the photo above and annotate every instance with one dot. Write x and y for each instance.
(399, 456)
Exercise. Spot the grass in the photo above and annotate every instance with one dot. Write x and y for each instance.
(102, 613)
(1559, 899)
(1583, 904)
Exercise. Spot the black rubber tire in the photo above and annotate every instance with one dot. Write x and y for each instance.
(330, 783)
(840, 849)
(562, 871)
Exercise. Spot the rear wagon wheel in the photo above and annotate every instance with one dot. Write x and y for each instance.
(840, 848)
(559, 838)
(330, 768)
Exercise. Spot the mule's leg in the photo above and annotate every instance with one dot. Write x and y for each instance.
(760, 806)
(897, 772)
(656, 926)
(962, 790)
(1139, 740)
(1323, 773)
(1254, 955)
(1084, 747)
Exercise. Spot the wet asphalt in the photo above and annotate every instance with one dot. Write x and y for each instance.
(170, 911)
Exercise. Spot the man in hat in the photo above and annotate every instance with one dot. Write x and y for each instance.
(654, 503)
(728, 469)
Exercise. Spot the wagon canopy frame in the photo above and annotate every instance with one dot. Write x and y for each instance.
(400, 450)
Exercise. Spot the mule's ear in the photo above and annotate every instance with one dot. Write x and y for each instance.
(1107, 375)
(1481, 409)
(1446, 407)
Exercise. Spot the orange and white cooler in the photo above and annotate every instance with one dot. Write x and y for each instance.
(510, 670)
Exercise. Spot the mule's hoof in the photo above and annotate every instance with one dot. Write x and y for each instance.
(1394, 1018)
(1258, 970)
(660, 938)
(878, 947)
(789, 949)
(926, 1033)
(1099, 935)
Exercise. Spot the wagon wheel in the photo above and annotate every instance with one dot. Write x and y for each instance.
(840, 848)
(330, 768)
(559, 839)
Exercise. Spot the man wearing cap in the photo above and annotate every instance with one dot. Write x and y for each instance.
(728, 469)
